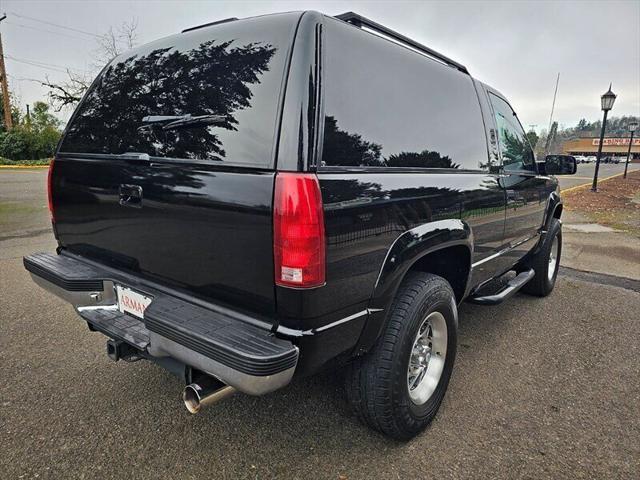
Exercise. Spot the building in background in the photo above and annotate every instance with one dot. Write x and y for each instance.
(613, 146)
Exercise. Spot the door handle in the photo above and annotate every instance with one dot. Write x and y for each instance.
(131, 196)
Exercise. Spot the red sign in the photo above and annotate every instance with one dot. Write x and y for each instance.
(616, 141)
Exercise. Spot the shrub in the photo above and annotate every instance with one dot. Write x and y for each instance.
(24, 143)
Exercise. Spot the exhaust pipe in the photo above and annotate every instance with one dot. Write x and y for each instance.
(206, 391)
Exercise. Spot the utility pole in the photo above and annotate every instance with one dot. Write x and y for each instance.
(5, 88)
(28, 118)
(553, 105)
(551, 136)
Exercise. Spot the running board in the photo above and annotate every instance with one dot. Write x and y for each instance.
(508, 291)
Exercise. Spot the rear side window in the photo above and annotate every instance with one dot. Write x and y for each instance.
(388, 106)
(209, 94)
(515, 149)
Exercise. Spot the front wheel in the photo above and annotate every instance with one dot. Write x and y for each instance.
(399, 385)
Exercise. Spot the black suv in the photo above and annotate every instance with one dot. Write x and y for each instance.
(257, 199)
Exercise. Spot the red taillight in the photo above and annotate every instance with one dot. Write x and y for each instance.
(298, 231)
(49, 193)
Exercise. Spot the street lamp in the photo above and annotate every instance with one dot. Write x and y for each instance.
(606, 101)
(632, 128)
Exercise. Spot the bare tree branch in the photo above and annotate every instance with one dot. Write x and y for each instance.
(69, 92)
(115, 41)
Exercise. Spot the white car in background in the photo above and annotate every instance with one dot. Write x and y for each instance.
(591, 159)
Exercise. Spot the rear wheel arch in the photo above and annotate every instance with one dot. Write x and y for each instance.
(451, 263)
(443, 248)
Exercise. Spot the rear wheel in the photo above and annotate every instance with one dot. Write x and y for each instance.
(546, 262)
(399, 385)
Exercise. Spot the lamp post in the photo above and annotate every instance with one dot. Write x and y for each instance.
(606, 101)
(632, 128)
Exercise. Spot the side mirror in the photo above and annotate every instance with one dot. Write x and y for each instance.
(560, 165)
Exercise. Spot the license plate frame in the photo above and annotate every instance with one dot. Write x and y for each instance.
(131, 301)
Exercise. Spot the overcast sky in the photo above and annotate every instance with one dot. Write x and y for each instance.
(517, 47)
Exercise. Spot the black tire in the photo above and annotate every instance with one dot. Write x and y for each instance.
(377, 384)
(542, 284)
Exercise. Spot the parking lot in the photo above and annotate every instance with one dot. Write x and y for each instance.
(541, 388)
(586, 170)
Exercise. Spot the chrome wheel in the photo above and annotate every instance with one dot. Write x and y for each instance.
(427, 358)
(553, 259)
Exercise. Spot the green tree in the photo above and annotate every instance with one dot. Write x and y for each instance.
(532, 136)
(41, 118)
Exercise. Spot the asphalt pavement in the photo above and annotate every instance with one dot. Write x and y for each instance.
(542, 388)
(585, 172)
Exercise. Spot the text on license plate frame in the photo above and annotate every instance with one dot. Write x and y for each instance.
(132, 302)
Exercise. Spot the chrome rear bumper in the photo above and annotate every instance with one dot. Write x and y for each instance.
(246, 356)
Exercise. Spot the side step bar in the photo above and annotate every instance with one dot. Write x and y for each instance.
(508, 291)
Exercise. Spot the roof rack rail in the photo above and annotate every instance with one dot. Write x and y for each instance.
(360, 21)
(225, 20)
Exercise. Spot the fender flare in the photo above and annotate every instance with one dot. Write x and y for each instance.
(553, 204)
(405, 251)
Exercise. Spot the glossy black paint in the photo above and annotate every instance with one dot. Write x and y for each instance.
(206, 227)
(201, 228)
(380, 221)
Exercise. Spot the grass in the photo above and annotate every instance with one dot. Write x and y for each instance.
(24, 163)
(615, 204)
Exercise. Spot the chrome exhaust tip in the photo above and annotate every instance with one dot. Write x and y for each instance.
(206, 391)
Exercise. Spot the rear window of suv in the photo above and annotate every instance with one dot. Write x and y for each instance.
(209, 94)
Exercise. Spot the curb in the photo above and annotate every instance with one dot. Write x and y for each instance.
(601, 278)
(570, 189)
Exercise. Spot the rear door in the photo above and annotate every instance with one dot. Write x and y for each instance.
(167, 167)
(526, 192)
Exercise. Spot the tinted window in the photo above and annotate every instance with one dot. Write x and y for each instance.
(515, 149)
(386, 105)
(230, 74)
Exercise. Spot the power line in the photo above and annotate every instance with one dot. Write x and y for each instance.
(38, 29)
(37, 65)
(55, 25)
(38, 62)
(23, 79)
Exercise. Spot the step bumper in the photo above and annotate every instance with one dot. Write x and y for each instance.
(239, 350)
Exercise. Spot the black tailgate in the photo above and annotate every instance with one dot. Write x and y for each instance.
(167, 166)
